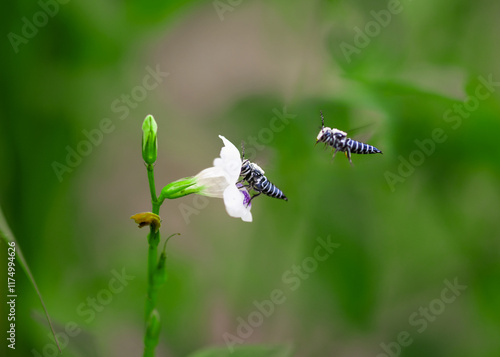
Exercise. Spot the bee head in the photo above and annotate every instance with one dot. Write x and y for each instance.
(323, 134)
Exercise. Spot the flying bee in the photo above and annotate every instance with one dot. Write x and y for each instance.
(254, 178)
(339, 141)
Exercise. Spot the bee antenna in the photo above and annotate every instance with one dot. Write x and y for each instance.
(242, 149)
(322, 119)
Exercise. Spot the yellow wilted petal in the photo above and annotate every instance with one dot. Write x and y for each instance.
(147, 219)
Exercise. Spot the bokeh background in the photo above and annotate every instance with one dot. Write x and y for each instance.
(403, 229)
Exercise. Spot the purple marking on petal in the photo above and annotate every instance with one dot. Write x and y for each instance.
(246, 200)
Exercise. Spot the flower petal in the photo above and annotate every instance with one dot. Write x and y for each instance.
(234, 202)
(147, 219)
(229, 161)
(214, 181)
(229, 151)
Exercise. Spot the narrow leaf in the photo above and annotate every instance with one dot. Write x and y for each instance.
(8, 237)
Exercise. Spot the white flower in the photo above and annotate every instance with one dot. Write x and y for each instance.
(220, 181)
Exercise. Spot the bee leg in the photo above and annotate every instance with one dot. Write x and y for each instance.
(251, 198)
(348, 155)
(335, 153)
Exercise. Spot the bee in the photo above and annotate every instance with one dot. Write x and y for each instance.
(254, 178)
(338, 140)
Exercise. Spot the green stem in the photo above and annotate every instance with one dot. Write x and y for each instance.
(149, 351)
(153, 240)
(152, 292)
(152, 188)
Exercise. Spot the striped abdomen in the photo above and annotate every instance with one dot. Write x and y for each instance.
(357, 147)
(263, 185)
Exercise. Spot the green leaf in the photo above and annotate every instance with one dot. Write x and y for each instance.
(8, 237)
(245, 351)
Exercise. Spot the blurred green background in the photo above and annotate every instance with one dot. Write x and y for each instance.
(409, 222)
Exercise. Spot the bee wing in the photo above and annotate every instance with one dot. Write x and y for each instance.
(363, 134)
(262, 160)
(359, 128)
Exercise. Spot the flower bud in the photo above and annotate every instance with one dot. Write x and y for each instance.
(149, 141)
(179, 188)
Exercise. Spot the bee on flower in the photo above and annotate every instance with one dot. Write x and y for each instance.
(220, 181)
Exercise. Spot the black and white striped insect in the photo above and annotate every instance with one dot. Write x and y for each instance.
(339, 141)
(253, 178)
